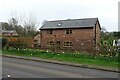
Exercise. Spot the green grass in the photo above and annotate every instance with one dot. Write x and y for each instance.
(110, 62)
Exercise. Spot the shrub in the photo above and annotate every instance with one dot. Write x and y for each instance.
(4, 42)
(108, 50)
(17, 45)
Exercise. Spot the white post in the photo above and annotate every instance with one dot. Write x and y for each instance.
(114, 44)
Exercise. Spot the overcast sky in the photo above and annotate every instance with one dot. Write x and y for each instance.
(105, 10)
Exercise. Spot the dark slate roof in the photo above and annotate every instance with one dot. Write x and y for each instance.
(70, 23)
(8, 31)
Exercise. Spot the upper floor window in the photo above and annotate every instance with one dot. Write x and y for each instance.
(49, 31)
(68, 31)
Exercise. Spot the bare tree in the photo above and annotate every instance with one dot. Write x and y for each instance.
(13, 25)
(13, 21)
(30, 24)
(23, 24)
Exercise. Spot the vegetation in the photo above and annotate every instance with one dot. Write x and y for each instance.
(98, 60)
(27, 29)
(4, 42)
(106, 43)
(17, 45)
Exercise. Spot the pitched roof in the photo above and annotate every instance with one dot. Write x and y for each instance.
(8, 31)
(70, 23)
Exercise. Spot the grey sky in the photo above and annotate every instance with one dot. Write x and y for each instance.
(105, 10)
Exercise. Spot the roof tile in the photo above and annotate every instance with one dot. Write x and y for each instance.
(70, 23)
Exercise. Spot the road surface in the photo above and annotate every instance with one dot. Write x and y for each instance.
(19, 68)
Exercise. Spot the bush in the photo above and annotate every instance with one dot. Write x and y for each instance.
(4, 42)
(17, 44)
(108, 51)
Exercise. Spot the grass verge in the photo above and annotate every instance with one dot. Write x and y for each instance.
(107, 62)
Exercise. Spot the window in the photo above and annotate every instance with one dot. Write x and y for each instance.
(59, 24)
(50, 32)
(68, 44)
(68, 31)
(50, 43)
(57, 42)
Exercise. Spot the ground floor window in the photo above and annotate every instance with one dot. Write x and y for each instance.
(50, 43)
(67, 44)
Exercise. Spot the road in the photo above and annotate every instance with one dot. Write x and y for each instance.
(19, 68)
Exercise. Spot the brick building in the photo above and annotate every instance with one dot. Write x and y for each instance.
(7, 33)
(71, 34)
(37, 40)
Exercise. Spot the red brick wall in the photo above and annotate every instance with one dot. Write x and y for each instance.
(78, 37)
(97, 33)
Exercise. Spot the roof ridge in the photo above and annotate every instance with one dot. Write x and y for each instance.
(72, 19)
